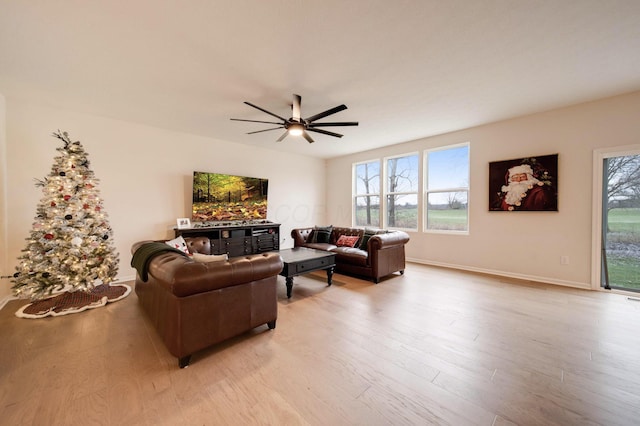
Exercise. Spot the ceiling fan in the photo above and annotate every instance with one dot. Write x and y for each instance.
(296, 125)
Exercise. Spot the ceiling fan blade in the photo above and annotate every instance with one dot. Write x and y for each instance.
(264, 110)
(265, 130)
(343, 123)
(284, 135)
(326, 113)
(254, 121)
(295, 108)
(307, 136)
(324, 132)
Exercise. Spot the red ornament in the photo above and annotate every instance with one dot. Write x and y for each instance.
(88, 185)
(67, 197)
(48, 236)
(85, 206)
(97, 208)
(53, 204)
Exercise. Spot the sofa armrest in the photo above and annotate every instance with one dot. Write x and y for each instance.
(389, 239)
(136, 246)
(300, 236)
(200, 245)
(194, 244)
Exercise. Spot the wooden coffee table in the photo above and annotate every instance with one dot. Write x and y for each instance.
(302, 260)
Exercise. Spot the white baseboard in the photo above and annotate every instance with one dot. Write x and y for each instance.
(121, 279)
(6, 300)
(546, 280)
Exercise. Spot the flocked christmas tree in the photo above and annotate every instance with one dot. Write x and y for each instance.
(71, 245)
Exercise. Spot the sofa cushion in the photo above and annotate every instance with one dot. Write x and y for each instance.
(368, 233)
(320, 246)
(351, 256)
(338, 231)
(321, 234)
(347, 241)
(207, 258)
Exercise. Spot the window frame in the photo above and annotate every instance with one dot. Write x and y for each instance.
(355, 195)
(386, 193)
(426, 191)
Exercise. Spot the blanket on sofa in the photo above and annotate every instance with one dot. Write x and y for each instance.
(145, 253)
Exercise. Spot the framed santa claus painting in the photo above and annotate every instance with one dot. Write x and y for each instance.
(524, 184)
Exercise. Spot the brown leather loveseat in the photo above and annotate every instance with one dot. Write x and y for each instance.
(194, 304)
(376, 254)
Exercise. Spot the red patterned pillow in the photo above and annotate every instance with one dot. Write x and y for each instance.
(347, 241)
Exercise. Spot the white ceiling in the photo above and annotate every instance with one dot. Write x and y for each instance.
(405, 69)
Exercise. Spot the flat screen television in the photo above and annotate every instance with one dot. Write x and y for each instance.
(224, 198)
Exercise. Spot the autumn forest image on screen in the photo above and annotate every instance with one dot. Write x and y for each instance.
(221, 197)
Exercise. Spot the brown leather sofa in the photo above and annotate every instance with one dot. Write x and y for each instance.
(194, 305)
(381, 255)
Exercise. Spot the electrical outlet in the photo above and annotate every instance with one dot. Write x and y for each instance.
(564, 260)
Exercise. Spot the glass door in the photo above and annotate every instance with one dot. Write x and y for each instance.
(621, 223)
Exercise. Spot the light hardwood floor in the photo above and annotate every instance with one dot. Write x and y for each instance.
(434, 346)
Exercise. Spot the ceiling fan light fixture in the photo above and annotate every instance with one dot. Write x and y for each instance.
(296, 129)
(298, 126)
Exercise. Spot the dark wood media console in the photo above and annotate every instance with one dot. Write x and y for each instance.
(238, 240)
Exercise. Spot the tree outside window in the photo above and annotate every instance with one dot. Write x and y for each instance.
(366, 204)
(621, 221)
(402, 192)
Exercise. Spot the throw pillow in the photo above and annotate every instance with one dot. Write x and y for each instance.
(368, 233)
(321, 234)
(347, 241)
(207, 258)
(180, 244)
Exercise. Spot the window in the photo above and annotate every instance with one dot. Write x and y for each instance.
(401, 191)
(366, 202)
(446, 195)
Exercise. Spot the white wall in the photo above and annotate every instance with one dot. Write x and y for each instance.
(4, 268)
(145, 176)
(517, 244)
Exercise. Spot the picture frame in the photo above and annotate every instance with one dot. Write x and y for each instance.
(183, 223)
(524, 184)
